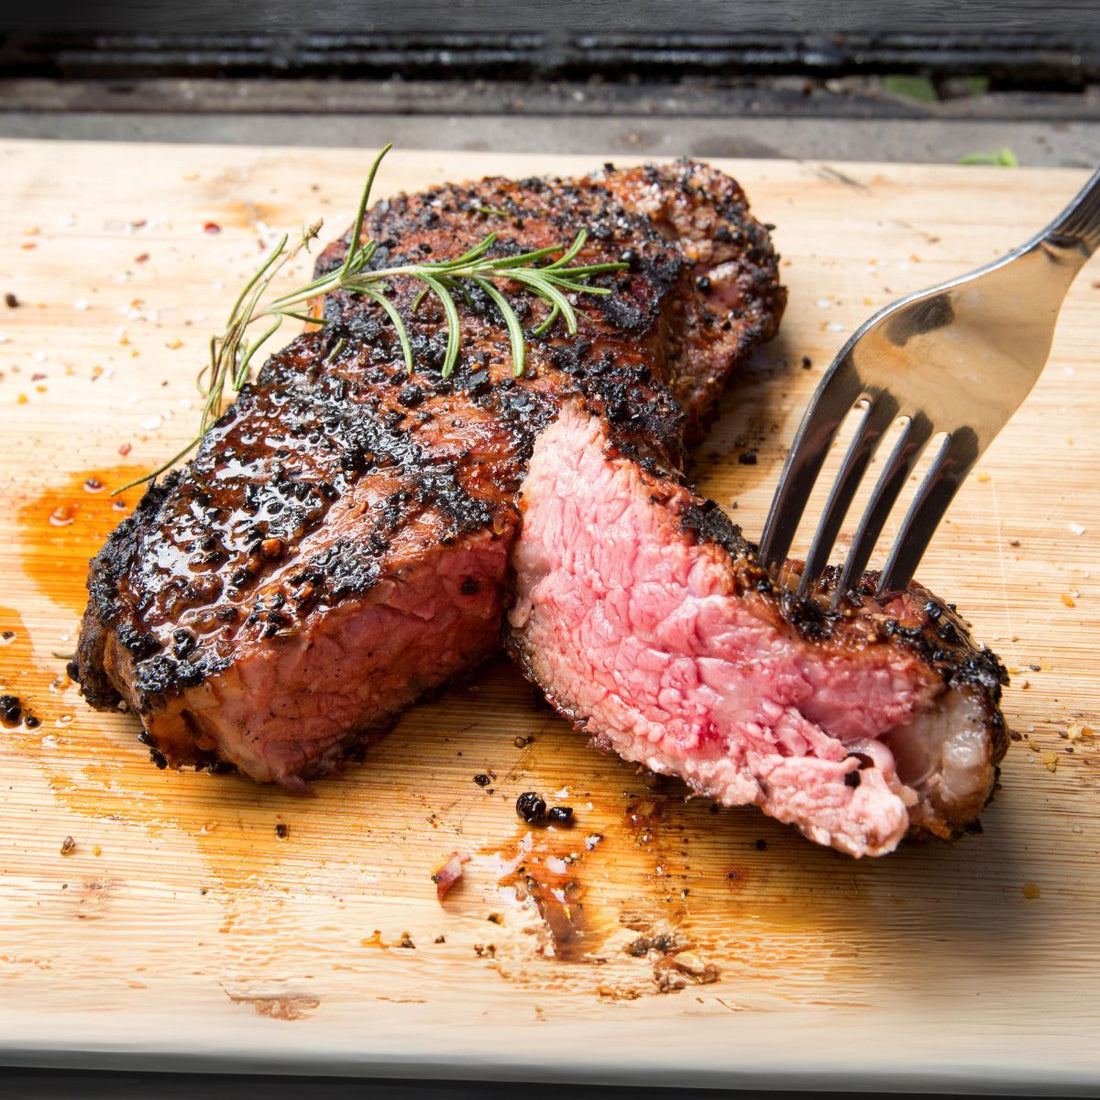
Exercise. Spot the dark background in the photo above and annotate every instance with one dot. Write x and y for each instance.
(929, 81)
(1019, 42)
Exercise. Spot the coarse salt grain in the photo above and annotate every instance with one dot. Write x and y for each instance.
(1076, 529)
(80, 304)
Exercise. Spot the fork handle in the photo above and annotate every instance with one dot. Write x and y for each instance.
(1080, 221)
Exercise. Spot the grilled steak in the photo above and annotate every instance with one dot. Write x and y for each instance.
(642, 614)
(340, 543)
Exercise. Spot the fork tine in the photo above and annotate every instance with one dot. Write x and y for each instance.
(880, 415)
(949, 470)
(908, 449)
(832, 401)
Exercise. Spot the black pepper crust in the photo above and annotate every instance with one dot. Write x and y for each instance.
(700, 292)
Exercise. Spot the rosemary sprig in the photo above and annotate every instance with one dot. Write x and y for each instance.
(232, 352)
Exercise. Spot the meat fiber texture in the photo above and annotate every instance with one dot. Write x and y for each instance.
(641, 612)
(339, 546)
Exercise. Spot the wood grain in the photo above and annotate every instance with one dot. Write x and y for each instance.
(180, 930)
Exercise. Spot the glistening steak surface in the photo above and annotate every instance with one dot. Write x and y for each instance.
(339, 545)
(642, 614)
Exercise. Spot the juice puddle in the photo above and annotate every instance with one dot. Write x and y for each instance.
(562, 875)
(64, 528)
(92, 761)
(542, 868)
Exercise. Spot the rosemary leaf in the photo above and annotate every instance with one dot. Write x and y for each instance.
(398, 324)
(548, 324)
(454, 324)
(511, 323)
(570, 252)
(163, 468)
(523, 259)
(336, 349)
(251, 349)
(591, 269)
(466, 258)
(546, 290)
(265, 267)
(308, 318)
(357, 229)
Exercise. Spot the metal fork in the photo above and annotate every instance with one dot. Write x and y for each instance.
(959, 358)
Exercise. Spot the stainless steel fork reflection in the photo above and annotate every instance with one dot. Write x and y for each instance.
(958, 358)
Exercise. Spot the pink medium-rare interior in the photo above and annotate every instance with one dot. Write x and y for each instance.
(293, 701)
(633, 626)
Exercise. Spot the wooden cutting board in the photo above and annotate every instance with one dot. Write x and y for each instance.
(154, 918)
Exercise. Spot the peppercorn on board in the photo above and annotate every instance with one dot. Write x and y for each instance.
(192, 920)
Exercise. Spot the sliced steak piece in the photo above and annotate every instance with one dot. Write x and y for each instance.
(339, 545)
(641, 613)
(324, 560)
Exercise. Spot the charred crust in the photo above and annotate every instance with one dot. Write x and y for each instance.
(812, 620)
(713, 525)
(157, 678)
(679, 201)
(114, 561)
(942, 641)
(348, 567)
